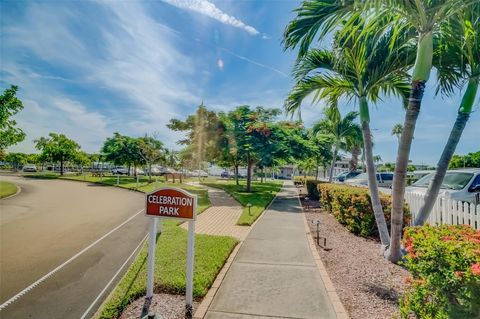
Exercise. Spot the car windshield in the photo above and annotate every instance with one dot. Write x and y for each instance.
(452, 180)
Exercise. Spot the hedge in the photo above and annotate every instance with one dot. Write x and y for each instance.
(352, 207)
(444, 263)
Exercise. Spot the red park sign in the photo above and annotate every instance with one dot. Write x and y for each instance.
(171, 203)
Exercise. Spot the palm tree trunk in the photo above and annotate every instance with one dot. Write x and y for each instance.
(448, 151)
(420, 75)
(373, 188)
(372, 175)
(399, 179)
(332, 165)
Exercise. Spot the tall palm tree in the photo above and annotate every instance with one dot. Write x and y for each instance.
(360, 67)
(316, 18)
(397, 131)
(457, 60)
(425, 16)
(341, 130)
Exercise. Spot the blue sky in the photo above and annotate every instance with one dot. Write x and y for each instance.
(91, 68)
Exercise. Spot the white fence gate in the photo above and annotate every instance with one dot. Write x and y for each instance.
(446, 211)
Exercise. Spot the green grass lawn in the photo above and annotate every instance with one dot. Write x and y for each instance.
(211, 253)
(7, 189)
(261, 195)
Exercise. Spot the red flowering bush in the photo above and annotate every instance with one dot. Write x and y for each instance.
(444, 263)
(352, 207)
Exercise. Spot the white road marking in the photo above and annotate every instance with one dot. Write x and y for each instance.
(113, 278)
(39, 281)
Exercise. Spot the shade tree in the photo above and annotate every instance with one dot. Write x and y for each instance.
(57, 148)
(10, 105)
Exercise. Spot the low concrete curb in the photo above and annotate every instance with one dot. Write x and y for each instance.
(338, 307)
(19, 190)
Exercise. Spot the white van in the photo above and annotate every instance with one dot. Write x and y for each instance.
(461, 185)
(384, 179)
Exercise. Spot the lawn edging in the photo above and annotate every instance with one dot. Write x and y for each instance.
(10, 193)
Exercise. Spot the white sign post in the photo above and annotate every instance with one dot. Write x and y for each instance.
(174, 203)
(152, 238)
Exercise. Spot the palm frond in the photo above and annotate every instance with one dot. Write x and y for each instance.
(323, 84)
(315, 19)
(313, 60)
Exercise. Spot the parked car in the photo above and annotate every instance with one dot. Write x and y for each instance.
(29, 168)
(342, 177)
(156, 171)
(225, 174)
(201, 173)
(384, 179)
(461, 185)
(119, 170)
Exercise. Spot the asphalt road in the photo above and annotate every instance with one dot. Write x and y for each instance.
(51, 221)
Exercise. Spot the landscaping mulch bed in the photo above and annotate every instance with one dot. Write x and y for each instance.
(367, 284)
(168, 306)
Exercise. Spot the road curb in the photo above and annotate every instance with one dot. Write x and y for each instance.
(19, 190)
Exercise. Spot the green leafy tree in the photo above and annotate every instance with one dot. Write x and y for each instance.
(122, 150)
(201, 136)
(457, 60)
(251, 132)
(469, 160)
(229, 155)
(58, 148)
(16, 160)
(151, 151)
(9, 106)
(82, 160)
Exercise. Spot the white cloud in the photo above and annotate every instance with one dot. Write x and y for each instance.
(209, 9)
(136, 59)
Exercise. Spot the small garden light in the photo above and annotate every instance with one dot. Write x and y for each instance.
(249, 209)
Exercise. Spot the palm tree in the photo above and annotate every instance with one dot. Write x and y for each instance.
(341, 130)
(362, 67)
(316, 18)
(397, 131)
(377, 159)
(457, 60)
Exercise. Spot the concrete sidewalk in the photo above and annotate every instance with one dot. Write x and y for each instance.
(274, 274)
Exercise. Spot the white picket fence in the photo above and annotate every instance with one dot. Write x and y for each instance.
(446, 211)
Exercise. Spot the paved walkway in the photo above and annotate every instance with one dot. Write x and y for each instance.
(221, 218)
(274, 274)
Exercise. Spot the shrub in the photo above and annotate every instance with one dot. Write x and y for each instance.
(312, 189)
(352, 207)
(444, 263)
